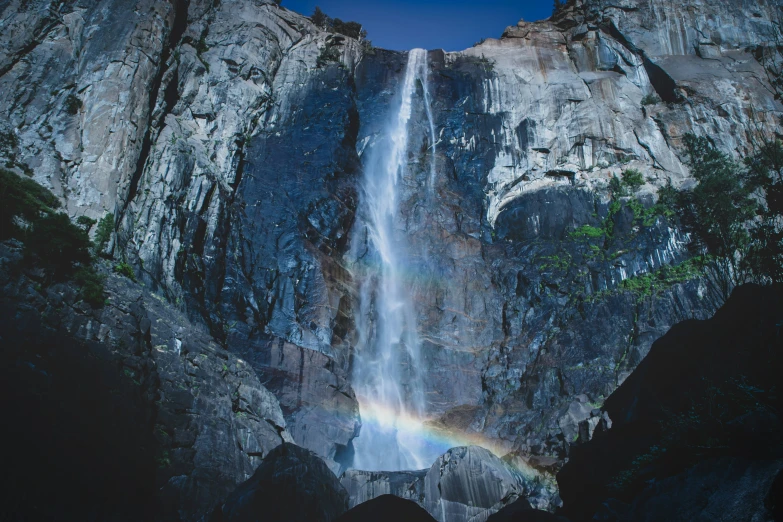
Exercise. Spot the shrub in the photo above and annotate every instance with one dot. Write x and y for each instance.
(721, 202)
(668, 199)
(632, 179)
(104, 231)
(72, 104)
(329, 53)
(91, 283)
(22, 199)
(86, 223)
(587, 232)
(8, 142)
(124, 269)
(59, 244)
(335, 25)
(60, 247)
(650, 99)
(617, 187)
(350, 29)
(319, 18)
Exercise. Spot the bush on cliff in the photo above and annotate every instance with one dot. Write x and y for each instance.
(52, 242)
(335, 25)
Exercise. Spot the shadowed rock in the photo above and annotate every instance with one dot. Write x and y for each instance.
(521, 511)
(387, 508)
(291, 485)
(366, 485)
(696, 431)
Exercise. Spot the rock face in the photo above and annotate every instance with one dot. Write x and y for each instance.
(469, 484)
(696, 431)
(363, 486)
(319, 404)
(292, 484)
(132, 393)
(231, 160)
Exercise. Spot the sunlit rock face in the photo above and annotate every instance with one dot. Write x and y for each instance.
(234, 163)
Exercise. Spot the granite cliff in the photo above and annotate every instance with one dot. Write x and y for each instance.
(228, 155)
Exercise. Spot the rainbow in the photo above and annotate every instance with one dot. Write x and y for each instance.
(427, 433)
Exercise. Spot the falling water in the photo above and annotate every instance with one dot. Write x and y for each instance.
(387, 365)
(428, 105)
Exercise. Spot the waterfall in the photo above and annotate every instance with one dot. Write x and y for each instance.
(387, 362)
(428, 106)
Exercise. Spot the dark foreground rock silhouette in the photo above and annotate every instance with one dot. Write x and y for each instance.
(697, 431)
(387, 508)
(292, 484)
(522, 511)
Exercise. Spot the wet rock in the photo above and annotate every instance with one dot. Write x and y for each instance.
(387, 508)
(366, 485)
(470, 483)
(292, 484)
(319, 405)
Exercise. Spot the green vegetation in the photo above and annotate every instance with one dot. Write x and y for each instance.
(587, 232)
(51, 241)
(631, 180)
(86, 223)
(329, 53)
(124, 269)
(765, 254)
(335, 25)
(91, 283)
(103, 232)
(647, 285)
(72, 104)
(8, 144)
(164, 461)
(651, 99)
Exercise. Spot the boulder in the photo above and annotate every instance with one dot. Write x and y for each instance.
(292, 484)
(387, 508)
(469, 484)
(521, 511)
(366, 485)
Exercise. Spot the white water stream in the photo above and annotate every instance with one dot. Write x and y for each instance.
(387, 364)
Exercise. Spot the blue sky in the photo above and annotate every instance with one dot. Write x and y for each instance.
(452, 25)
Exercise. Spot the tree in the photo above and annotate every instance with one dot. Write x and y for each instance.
(719, 208)
(350, 29)
(86, 223)
(633, 179)
(320, 19)
(22, 198)
(58, 244)
(766, 252)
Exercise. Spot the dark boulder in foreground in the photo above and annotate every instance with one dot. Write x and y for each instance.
(522, 511)
(292, 484)
(697, 431)
(387, 508)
